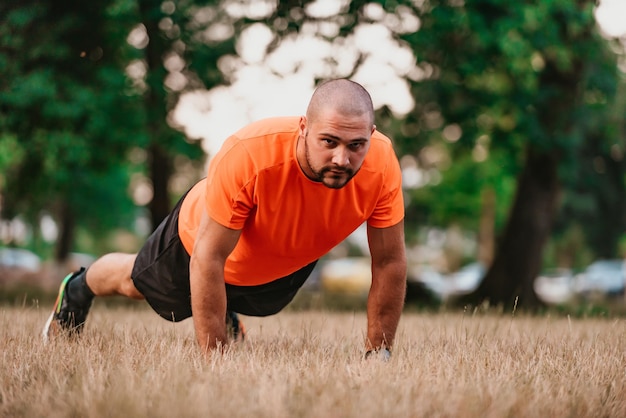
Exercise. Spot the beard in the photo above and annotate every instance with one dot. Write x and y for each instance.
(333, 177)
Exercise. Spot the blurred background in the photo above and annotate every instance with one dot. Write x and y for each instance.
(508, 119)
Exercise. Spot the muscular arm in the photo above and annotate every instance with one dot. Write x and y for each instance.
(214, 243)
(386, 296)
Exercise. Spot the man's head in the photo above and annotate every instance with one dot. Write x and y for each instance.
(335, 134)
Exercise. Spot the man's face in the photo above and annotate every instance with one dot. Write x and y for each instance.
(335, 146)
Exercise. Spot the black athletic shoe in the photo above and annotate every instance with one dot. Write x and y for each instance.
(234, 327)
(68, 315)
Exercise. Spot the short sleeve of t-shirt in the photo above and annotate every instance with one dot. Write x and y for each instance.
(230, 185)
(389, 209)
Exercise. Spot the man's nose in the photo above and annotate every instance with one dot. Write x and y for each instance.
(341, 156)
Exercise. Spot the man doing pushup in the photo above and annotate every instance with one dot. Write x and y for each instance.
(280, 194)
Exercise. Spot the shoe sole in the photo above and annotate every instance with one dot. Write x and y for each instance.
(49, 327)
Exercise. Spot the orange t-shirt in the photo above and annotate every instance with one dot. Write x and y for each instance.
(255, 184)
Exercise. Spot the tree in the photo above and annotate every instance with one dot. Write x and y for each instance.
(184, 42)
(66, 112)
(157, 104)
(516, 77)
(595, 199)
(69, 113)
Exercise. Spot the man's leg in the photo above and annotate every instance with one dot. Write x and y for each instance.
(109, 275)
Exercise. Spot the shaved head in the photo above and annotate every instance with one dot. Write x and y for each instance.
(342, 96)
(334, 136)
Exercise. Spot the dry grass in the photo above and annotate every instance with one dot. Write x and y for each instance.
(130, 362)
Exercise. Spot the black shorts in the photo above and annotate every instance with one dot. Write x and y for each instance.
(161, 274)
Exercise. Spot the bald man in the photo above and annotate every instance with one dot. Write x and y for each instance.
(280, 194)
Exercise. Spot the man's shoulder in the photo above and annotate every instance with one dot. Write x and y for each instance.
(380, 139)
(261, 144)
(268, 127)
(381, 150)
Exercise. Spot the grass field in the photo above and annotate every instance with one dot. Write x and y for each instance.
(131, 363)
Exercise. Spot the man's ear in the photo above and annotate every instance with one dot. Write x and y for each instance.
(373, 128)
(302, 126)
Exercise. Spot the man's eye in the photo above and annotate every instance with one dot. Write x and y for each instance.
(328, 141)
(356, 145)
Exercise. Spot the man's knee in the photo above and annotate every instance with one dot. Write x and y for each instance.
(129, 290)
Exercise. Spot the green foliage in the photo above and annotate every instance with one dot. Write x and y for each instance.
(65, 112)
(10, 153)
(508, 75)
(491, 58)
(513, 76)
(457, 199)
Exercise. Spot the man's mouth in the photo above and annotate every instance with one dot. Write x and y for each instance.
(338, 172)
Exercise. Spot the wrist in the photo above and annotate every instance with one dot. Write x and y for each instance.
(382, 353)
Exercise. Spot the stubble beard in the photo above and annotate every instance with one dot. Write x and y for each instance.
(325, 175)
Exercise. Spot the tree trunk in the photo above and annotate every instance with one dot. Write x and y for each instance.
(486, 231)
(605, 236)
(518, 259)
(156, 108)
(160, 173)
(67, 226)
(611, 200)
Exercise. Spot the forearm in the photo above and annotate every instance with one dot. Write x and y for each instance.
(208, 303)
(384, 304)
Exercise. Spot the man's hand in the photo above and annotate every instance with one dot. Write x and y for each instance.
(383, 354)
(212, 247)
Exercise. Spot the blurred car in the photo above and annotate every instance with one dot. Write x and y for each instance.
(604, 276)
(426, 276)
(555, 286)
(460, 282)
(19, 258)
(466, 279)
